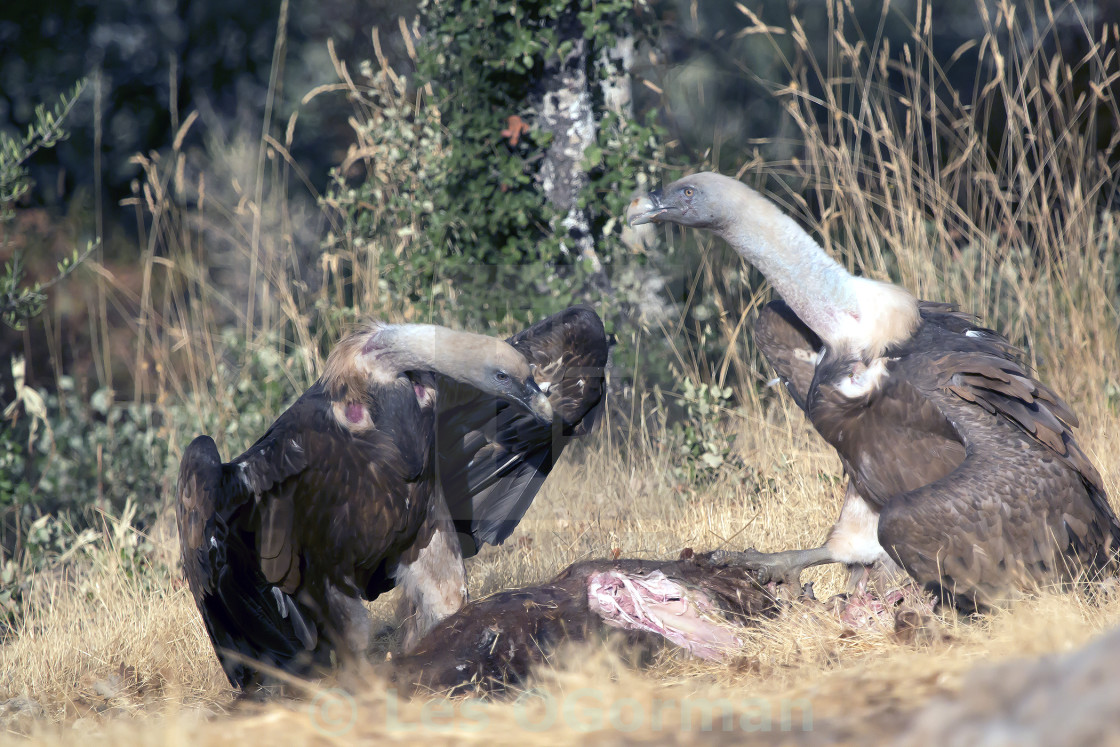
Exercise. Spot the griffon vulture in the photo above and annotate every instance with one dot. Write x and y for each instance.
(344, 496)
(963, 467)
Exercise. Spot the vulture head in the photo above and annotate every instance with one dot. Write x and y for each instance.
(383, 353)
(697, 201)
(854, 316)
(494, 367)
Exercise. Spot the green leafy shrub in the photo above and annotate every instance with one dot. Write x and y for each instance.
(452, 209)
(703, 437)
(78, 454)
(66, 462)
(19, 303)
(82, 472)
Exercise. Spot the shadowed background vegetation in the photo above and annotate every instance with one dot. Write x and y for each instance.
(261, 204)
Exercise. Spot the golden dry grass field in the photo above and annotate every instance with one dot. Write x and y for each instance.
(108, 661)
(1027, 238)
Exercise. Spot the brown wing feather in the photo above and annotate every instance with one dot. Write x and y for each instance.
(569, 351)
(1012, 499)
(310, 506)
(789, 346)
(891, 442)
(239, 609)
(1004, 387)
(266, 470)
(493, 458)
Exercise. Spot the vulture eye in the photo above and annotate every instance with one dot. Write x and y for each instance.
(689, 191)
(501, 376)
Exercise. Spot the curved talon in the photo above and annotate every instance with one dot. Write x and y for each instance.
(768, 567)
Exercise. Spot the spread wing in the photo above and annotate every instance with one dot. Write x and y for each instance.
(493, 457)
(309, 505)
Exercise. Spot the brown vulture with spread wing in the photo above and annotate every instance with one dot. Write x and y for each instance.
(963, 468)
(413, 435)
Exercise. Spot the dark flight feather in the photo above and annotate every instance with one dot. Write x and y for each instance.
(493, 458)
(238, 605)
(972, 461)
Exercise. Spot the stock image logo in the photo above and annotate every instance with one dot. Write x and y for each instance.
(333, 712)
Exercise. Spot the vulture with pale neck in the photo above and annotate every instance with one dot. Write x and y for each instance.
(417, 445)
(962, 467)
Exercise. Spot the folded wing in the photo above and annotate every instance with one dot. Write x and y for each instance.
(248, 618)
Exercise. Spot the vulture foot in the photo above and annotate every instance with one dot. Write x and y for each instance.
(775, 567)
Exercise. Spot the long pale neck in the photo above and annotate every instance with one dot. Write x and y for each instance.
(847, 312)
(428, 347)
(382, 352)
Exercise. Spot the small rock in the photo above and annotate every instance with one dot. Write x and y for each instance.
(17, 714)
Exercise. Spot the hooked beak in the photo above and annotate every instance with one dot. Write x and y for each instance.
(646, 209)
(536, 402)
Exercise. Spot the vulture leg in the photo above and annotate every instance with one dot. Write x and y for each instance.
(432, 576)
(854, 541)
(793, 350)
(350, 624)
(781, 567)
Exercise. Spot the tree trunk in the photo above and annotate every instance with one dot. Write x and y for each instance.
(567, 109)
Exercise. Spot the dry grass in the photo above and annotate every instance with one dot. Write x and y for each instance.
(109, 658)
(1025, 237)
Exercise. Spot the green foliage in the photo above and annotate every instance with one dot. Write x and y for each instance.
(703, 437)
(65, 461)
(45, 132)
(474, 235)
(48, 540)
(71, 461)
(117, 544)
(380, 248)
(70, 454)
(51, 449)
(18, 304)
(242, 400)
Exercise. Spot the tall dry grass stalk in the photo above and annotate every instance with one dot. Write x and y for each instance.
(1002, 201)
(224, 249)
(904, 187)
